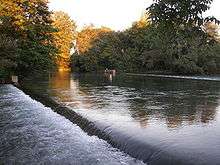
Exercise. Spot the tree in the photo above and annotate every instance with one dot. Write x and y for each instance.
(37, 50)
(144, 21)
(180, 26)
(63, 38)
(30, 25)
(212, 30)
(8, 55)
(86, 36)
(180, 13)
(174, 40)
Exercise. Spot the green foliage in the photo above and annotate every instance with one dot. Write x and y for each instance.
(8, 49)
(187, 47)
(26, 28)
(179, 40)
(177, 13)
(35, 56)
(36, 49)
(148, 49)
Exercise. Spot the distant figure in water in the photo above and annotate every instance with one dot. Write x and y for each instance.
(110, 77)
(113, 71)
(106, 70)
(110, 73)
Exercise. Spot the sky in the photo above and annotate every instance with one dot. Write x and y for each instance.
(116, 14)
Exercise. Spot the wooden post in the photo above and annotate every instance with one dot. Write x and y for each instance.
(14, 79)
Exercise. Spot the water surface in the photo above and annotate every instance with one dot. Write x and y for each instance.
(159, 120)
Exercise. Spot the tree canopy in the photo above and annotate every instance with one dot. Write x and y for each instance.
(29, 25)
(63, 38)
(176, 39)
(86, 36)
(180, 13)
(173, 36)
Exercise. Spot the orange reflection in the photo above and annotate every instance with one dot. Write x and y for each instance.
(60, 80)
(67, 90)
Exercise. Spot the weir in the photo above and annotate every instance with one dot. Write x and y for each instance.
(33, 134)
(202, 78)
(160, 125)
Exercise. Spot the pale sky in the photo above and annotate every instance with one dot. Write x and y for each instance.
(116, 14)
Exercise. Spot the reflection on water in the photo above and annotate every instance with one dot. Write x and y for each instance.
(65, 89)
(172, 102)
(61, 80)
(175, 108)
(154, 119)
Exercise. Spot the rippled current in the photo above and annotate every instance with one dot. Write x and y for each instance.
(31, 133)
(161, 120)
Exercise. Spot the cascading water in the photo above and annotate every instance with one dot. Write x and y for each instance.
(31, 133)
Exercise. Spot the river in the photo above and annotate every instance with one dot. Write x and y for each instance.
(160, 120)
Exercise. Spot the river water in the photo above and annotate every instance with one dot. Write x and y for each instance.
(158, 120)
(31, 133)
